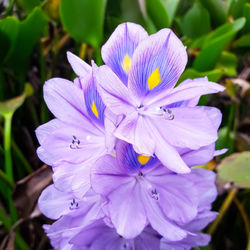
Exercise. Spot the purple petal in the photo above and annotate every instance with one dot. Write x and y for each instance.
(133, 129)
(204, 180)
(192, 240)
(75, 144)
(200, 156)
(127, 210)
(78, 65)
(71, 177)
(46, 129)
(201, 221)
(162, 53)
(129, 160)
(220, 152)
(107, 176)
(53, 203)
(117, 52)
(177, 205)
(190, 128)
(89, 234)
(187, 90)
(167, 154)
(157, 220)
(65, 101)
(93, 101)
(114, 93)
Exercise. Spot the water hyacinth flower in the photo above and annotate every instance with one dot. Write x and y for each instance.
(141, 191)
(80, 134)
(122, 147)
(138, 82)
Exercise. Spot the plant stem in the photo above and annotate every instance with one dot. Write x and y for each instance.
(226, 204)
(7, 144)
(243, 215)
(8, 162)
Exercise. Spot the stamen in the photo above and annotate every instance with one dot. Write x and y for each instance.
(154, 194)
(75, 143)
(73, 205)
(167, 114)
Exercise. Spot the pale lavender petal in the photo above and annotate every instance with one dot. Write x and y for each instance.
(92, 231)
(134, 129)
(220, 151)
(177, 205)
(44, 156)
(80, 67)
(54, 203)
(75, 144)
(167, 154)
(107, 176)
(195, 129)
(115, 95)
(192, 240)
(200, 156)
(72, 177)
(148, 240)
(126, 129)
(111, 122)
(46, 129)
(163, 52)
(201, 221)
(127, 210)
(66, 101)
(188, 90)
(214, 114)
(157, 220)
(120, 46)
(204, 180)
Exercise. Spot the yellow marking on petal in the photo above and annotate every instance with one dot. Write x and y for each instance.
(154, 79)
(143, 159)
(94, 109)
(126, 64)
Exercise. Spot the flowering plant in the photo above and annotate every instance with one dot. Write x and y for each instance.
(122, 148)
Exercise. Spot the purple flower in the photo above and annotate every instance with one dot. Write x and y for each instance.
(141, 191)
(138, 191)
(81, 132)
(98, 235)
(139, 84)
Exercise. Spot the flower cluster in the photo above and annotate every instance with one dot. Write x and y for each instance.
(122, 148)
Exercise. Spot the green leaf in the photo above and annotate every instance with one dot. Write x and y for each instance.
(235, 168)
(217, 10)
(11, 105)
(9, 28)
(236, 8)
(246, 13)
(215, 43)
(28, 5)
(227, 63)
(243, 41)
(225, 140)
(213, 75)
(30, 31)
(196, 21)
(83, 19)
(158, 13)
(171, 8)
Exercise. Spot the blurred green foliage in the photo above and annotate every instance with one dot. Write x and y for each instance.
(34, 38)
